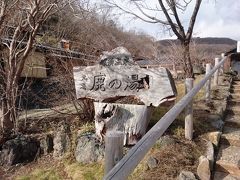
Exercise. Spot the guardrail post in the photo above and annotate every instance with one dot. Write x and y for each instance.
(113, 149)
(222, 66)
(215, 81)
(238, 46)
(189, 111)
(208, 83)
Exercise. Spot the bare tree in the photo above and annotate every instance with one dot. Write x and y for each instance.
(170, 9)
(20, 21)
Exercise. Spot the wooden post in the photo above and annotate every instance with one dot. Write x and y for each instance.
(189, 111)
(222, 66)
(238, 46)
(113, 149)
(208, 83)
(215, 81)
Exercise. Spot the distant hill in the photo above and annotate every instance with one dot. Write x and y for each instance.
(208, 40)
(203, 48)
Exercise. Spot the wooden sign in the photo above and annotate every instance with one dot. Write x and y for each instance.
(117, 75)
(151, 86)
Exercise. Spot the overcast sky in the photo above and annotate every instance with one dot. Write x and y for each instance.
(216, 18)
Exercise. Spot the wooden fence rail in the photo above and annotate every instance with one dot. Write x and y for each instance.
(128, 163)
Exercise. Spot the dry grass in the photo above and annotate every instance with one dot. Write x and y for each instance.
(78, 171)
(48, 169)
(173, 159)
(42, 174)
(181, 89)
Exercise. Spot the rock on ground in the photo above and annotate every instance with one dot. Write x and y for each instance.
(19, 150)
(165, 141)
(89, 149)
(214, 137)
(152, 162)
(210, 154)
(186, 175)
(215, 120)
(62, 141)
(203, 170)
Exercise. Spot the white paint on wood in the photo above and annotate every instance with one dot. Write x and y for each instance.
(130, 119)
(189, 111)
(208, 83)
(216, 74)
(113, 149)
(152, 86)
(221, 69)
(238, 47)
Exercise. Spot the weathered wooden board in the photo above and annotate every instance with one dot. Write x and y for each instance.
(35, 66)
(151, 86)
(130, 119)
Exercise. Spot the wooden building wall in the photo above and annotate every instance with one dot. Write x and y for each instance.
(35, 66)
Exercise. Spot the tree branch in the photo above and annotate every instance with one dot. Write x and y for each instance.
(173, 26)
(175, 14)
(193, 19)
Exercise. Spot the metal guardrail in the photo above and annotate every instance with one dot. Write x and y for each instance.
(128, 163)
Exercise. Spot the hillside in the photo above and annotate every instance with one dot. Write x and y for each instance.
(202, 49)
(208, 40)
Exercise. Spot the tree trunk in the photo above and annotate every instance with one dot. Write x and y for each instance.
(9, 107)
(7, 123)
(188, 68)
